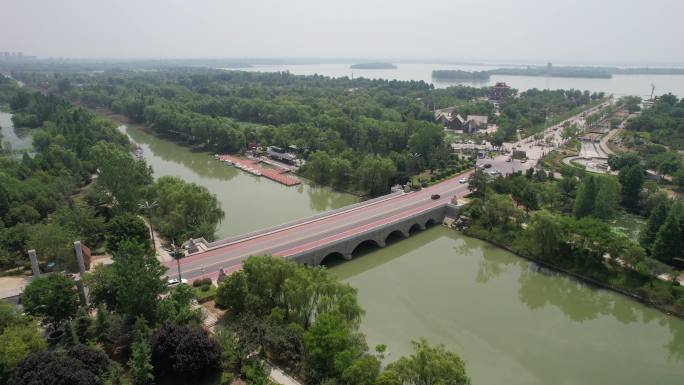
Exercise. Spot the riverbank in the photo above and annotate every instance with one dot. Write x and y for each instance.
(669, 309)
(511, 320)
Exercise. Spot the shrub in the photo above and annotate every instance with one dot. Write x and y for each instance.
(95, 360)
(254, 372)
(48, 368)
(202, 282)
(186, 352)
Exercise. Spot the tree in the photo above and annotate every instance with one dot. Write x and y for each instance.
(319, 167)
(362, 371)
(54, 244)
(185, 210)
(655, 220)
(477, 182)
(138, 280)
(618, 162)
(545, 233)
(121, 175)
(232, 292)
(52, 298)
(187, 352)
(49, 368)
(669, 241)
(102, 283)
(632, 179)
(126, 226)
(95, 360)
(16, 343)
(328, 339)
(142, 371)
(430, 365)
(82, 325)
(607, 198)
(374, 174)
(81, 220)
(196, 354)
(586, 193)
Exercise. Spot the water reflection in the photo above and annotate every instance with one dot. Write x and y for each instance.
(200, 163)
(512, 321)
(251, 203)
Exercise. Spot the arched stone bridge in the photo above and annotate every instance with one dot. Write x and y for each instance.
(341, 231)
(378, 236)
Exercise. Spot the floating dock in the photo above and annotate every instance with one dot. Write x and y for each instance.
(252, 166)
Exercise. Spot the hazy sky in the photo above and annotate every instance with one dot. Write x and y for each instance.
(591, 31)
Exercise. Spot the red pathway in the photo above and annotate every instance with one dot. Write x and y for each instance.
(253, 167)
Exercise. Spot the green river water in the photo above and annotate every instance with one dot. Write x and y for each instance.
(512, 322)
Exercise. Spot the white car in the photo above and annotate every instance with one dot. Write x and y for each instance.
(462, 180)
(175, 281)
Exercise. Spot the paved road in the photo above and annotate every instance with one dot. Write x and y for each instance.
(318, 231)
(534, 148)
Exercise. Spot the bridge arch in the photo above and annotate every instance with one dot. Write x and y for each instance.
(430, 222)
(416, 227)
(398, 233)
(368, 242)
(334, 258)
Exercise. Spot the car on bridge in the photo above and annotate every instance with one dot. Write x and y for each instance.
(435, 196)
(462, 180)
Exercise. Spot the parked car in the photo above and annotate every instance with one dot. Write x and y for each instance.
(524, 160)
(487, 165)
(435, 196)
(174, 281)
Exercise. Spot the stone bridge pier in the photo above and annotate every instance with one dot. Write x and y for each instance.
(378, 236)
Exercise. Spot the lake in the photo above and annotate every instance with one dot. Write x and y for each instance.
(619, 85)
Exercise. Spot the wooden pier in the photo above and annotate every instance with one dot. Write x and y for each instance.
(253, 167)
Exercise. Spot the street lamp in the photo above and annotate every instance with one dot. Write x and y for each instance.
(147, 206)
(177, 253)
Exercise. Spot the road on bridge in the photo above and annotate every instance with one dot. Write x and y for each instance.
(318, 231)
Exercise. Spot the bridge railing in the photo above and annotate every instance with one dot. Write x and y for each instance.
(225, 241)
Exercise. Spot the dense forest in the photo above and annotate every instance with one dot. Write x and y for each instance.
(81, 182)
(664, 122)
(366, 127)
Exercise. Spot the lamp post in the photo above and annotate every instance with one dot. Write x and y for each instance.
(147, 206)
(177, 254)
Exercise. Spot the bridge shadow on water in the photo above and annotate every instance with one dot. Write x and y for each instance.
(369, 246)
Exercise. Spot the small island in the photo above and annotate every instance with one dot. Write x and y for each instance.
(460, 75)
(373, 66)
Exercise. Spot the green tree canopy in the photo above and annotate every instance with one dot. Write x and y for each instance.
(185, 210)
(51, 297)
(430, 365)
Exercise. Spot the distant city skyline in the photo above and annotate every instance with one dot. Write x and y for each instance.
(500, 31)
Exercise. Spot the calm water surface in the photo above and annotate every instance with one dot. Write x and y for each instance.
(619, 85)
(512, 322)
(250, 202)
(19, 139)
